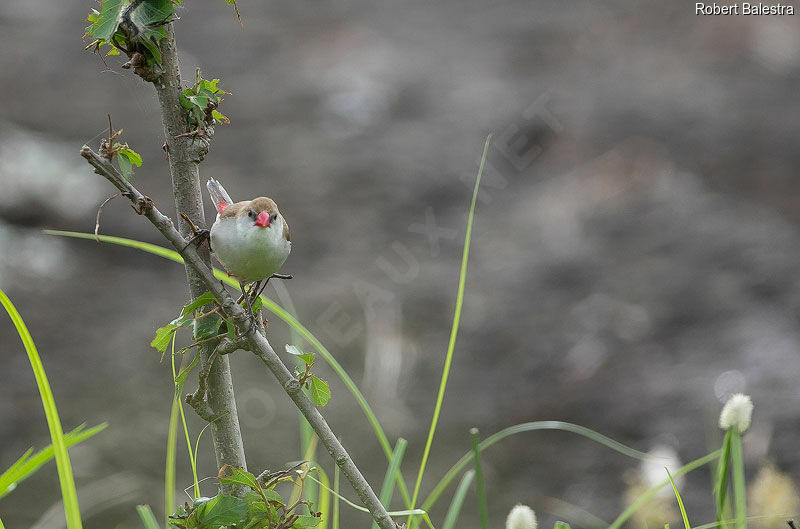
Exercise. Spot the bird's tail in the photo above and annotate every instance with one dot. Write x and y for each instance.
(218, 194)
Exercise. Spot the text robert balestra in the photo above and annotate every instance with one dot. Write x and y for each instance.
(743, 9)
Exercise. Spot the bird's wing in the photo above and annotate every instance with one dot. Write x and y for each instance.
(218, 194)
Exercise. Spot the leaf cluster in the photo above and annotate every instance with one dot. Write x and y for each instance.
(133, 27)
(126, 157)
(261, 507)
(201, 101)
(187, 318)
(317, 388)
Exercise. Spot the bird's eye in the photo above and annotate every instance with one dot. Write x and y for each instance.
(273, 217)
(251, 214)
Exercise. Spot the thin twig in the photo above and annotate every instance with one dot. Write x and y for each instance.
(99, 211)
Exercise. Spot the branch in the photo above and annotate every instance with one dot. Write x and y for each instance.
(184, 154)
(256, 341)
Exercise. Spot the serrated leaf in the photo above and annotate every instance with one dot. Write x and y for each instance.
(206, 298)
(240, 477)
(152, 12)
(163, 336)
(132, 156)
(271, 495)
(222, 510)
(220, 117)
(207, 328)
(113, 51)
(320, 392)
(107, 20)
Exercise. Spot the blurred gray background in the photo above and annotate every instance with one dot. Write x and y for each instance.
(635, 257)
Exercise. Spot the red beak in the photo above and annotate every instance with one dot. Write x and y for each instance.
(262, 219)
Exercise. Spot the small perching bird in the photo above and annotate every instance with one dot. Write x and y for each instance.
(250, 238)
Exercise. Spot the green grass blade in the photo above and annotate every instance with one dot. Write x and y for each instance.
(483, 508)
(466, 459)
(458, 500)
(306, 432)
(680, 501)
(335, 515)
(1, 524)
(179, 400)
(652, 491)
(26, 465)
(147, 517)
(154, 249)
(170, 463)
(454, 328)
(274, 308)
(387, 489)
(721, 486)
(739, 490)
(69, 495)
(324, 505)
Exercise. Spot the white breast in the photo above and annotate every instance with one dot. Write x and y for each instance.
(248, 252)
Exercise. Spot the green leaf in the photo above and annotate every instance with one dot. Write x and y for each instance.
(222, 510)
(306, 520)
(163, 336)
(132, 156)
(220, 117)
(113, 51)
(149, 38)
(180, 380)
(127, 159)
(207, 328)
(152, 12)
(185, 103)
(271, 495)
(561, 525)
(241, 477)
(308, 358)
(320, 392)
(125, 167)
(106, 22)
(230, 328)
(206, 298)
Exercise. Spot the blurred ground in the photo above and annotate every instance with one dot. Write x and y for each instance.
(635, 253)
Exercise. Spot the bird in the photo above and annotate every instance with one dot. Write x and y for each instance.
(250, 238)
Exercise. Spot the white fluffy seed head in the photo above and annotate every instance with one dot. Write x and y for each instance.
(736, 413)
(521, 517)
